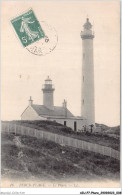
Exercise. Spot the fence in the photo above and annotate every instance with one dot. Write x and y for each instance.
(60, 139)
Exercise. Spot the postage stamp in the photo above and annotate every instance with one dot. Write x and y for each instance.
(28, 28)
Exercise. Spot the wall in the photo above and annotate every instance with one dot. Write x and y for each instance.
(48, 99)
(60, 139)
(70, 123)
(30, 114)
(87, 101)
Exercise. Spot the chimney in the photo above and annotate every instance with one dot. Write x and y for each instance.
(30, 101)
(65, 107)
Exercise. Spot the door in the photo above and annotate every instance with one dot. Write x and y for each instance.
(65, 123)
(75, 126)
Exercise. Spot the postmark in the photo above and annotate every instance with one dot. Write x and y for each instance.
(47, 44)
(39, 38)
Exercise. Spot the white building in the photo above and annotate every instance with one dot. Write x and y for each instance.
(48, 111)
(61, 114)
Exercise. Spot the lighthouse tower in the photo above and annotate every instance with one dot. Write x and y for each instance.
(48, 90)
(87, 101)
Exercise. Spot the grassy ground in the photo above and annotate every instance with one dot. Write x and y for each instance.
(100, 138)
(28, 158)
(112, 130)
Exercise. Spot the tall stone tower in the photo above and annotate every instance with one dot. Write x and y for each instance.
(48, 90)
(87, 101)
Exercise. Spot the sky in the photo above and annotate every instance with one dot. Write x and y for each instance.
(23, 74)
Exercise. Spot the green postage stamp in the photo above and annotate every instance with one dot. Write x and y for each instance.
(28, 28)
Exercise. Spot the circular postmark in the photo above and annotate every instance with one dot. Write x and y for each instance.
(45, 45)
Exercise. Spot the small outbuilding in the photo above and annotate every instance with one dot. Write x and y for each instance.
(48, 111)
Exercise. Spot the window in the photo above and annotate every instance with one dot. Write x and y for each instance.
(75, 126)
(83, 55)
(83, 78)
(65, 123)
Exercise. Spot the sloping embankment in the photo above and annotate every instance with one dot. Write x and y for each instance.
(29, 158)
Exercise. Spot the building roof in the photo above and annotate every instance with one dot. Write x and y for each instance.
(57, 111)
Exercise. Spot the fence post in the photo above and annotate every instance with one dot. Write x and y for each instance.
(110, 152)
(15, 129)
(28, 130)
(94, 148)
(2, 126)
(113, 153)
(40, 134)
(35, 133)
(104, 150)
(62, 141)
(55, 138)
(8, 128)
(21, 130)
